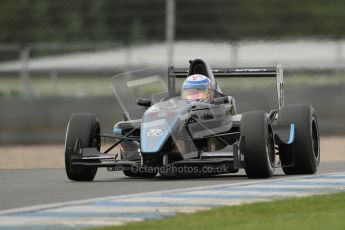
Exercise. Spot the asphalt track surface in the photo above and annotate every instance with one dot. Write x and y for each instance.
(20, 188)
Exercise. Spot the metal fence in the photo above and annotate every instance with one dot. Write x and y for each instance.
(57, 44)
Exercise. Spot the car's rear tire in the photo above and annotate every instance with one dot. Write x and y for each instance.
(305, 150)
(83, 127)
(257, 144)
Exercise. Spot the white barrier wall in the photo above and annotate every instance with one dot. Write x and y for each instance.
(296, 54)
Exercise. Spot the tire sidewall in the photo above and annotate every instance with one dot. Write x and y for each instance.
(256, 130)
(306, 134)
(81, 126)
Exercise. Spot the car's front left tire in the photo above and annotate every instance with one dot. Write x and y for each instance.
(257, 144)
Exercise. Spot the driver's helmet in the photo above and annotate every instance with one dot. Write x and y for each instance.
(197, 87)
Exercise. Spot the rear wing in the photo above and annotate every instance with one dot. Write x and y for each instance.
(276, 72)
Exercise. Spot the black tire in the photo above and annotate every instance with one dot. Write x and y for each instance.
(257, 144)
(131, 173)
(305, 150)
(81, 126)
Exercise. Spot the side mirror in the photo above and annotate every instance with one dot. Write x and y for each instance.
(220, 100)
(228, 101)
(144, 102)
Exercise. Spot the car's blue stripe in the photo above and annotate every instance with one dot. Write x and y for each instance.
(292, 134)
(166, 133)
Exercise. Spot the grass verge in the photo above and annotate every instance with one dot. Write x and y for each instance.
(315, 212)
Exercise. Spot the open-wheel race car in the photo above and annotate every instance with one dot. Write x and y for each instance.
(194, 130)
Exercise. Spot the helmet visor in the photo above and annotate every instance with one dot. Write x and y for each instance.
(195, 94)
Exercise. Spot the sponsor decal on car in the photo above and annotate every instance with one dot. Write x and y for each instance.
(155, 132)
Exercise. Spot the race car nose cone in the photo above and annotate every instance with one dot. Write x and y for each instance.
(153, 135)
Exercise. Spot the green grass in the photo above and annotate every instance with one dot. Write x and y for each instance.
(315, 212)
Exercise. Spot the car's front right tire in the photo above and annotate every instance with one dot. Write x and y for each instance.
(83, 127)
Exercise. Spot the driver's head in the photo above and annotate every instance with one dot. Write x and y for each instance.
(197, 87)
